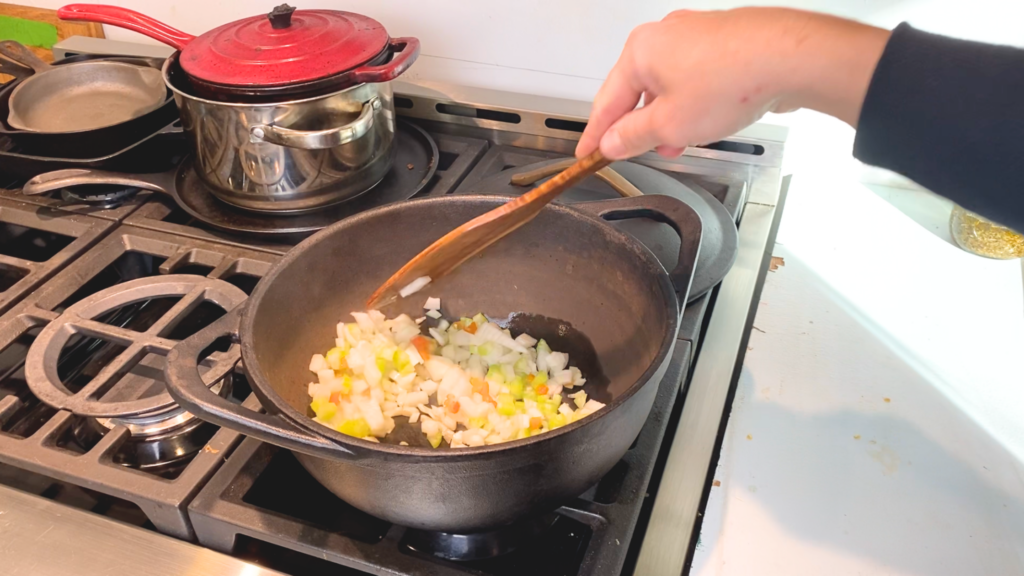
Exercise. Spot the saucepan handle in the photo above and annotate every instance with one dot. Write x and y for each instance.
(187, 388)
(406, 51)
(317, 139)
(676, 213)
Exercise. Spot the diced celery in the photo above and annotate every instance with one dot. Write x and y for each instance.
(540, 378)
(383, 366)
(357, 428)
(522, 366)
(494, 374)
(542, 347)
(524, 433)
(401, 360)
(506, 405)
(480, 319)
(346, 384)
(546, 408)
(529, 394)
(485, 349)
(334, 357)
(520, 405)
(516, 387)
(474, 349)
(556, 421)
(478, 422)
(324, 409)
(465, 321)
(434, 439)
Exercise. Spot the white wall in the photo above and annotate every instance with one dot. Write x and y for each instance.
(560, 47)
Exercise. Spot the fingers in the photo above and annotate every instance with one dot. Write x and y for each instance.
(666, 151)
(636, 132)
(617, 96)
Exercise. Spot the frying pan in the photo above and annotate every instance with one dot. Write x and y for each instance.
(83, 96)
(85, 144)
(567, 276)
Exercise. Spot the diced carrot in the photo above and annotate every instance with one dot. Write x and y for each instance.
(529, 378)
(471, 328)
(336, 398)
(536, 423)
(542, 389)
(422, 346)
(481, 388)
(451, 404)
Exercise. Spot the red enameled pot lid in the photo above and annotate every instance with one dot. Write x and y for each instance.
(287, 46)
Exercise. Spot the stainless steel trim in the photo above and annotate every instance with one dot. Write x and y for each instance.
(39, 537)
(673, 518)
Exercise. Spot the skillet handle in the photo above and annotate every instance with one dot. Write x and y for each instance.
(667, 210)
(19, 53)
(58, 179)
(186, 387)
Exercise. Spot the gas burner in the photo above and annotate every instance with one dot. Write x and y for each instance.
(157, 442)
(105, 196)
(480, 545)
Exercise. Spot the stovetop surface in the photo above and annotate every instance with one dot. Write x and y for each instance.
(241, 496)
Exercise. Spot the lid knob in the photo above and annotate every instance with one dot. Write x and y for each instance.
(281, 17)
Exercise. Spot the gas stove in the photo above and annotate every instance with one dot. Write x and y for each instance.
(171, 495)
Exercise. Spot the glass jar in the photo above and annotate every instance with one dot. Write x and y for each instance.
(984, 237)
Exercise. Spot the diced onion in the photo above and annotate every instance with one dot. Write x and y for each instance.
(414, 286)
(469, 383)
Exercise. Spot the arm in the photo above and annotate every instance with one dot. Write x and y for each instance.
(944, 112)
(705, 75)
(949, 114)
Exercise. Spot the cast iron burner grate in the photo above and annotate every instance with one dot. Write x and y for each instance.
(37, 242)
(42, 449)
(264, 507)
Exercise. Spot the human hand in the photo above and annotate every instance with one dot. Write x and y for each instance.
(704, 76)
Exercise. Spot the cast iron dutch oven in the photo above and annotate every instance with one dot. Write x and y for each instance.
(567, 276)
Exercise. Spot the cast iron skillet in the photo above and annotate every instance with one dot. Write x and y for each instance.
(567, 276)
(88, 143)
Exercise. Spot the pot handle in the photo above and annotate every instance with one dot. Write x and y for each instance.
(317, 139)
(187, 388)
(128, 19)
(409, 51)
(667, 210)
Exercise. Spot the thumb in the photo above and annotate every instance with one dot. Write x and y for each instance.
(635, 133)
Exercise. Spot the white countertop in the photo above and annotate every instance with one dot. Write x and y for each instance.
(878, 425)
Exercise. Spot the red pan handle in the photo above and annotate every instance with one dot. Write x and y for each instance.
(125, 18)
(410, 49)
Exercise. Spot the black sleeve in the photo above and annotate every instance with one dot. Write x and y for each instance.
(949, 114)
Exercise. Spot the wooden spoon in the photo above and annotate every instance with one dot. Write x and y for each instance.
(467, 240)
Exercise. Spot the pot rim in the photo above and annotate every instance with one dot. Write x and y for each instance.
(173, 59)
(258, 380)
